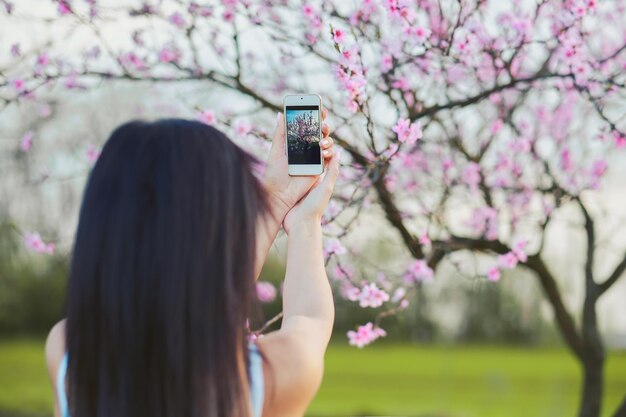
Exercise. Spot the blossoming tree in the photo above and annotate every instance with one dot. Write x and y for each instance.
(471, 123)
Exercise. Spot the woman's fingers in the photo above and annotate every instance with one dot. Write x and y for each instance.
(327, 147)
(325, 130)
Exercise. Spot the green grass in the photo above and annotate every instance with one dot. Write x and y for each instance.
(390, 380)
(459, 381)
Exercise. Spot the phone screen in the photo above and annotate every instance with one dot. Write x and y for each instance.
(303, 135)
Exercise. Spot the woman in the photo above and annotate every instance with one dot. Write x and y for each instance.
(173, 231)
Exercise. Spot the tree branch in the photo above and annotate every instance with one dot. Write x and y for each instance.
(535, 263)
(612, 279)
(591, 243)
(563, 317)
(541, 74)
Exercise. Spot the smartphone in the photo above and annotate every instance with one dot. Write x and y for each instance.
(303, 128)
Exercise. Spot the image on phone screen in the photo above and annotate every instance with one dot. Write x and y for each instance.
(303, 134)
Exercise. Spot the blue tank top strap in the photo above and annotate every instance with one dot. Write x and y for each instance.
(257, 388)
(61, 395)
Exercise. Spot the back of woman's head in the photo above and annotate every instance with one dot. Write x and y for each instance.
(161, 280)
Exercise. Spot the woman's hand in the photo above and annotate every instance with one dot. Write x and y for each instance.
(284, 190)
(310, 209)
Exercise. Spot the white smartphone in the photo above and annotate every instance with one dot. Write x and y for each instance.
(303, 131)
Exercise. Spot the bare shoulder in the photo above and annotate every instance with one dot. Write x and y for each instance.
(292, 375)
(55, 348)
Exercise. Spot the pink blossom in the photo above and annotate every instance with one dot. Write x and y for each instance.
(471, 175)
(343, 271)
(419, 33)
(365, 335)
(15, 50)
(424, 239)
(519, 250)
(332, 210)
(19, 84)
(131, 59)
(177, 20)
(599, 168)
(566, 160)
(507, 261)
(372, 296)
(242, 128)
(64, 8)
(408, 132)
(386, 63)
(339, 36)
(620, 140)
(169, 54)
(228, 15)
(207, 116)
(402, 84)
(35, 243)
(93, 153)
(265, 291)
(44, 110)
(333, 245)
(43, 59)
(493, 274)
(496, 126)
(308, 10)
(27, 141)
(418, 271)
(485, 222)
(352, 106)
(398, 294)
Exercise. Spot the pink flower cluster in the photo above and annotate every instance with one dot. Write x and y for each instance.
(265, 291)
(365, 335)
(418, 271)
(485, 222)
(472, 176)
(367, 8)
(27, 141)
(333, 245)
(351, 77)
(314, 22)
(207, 116)
(169, 54)
(35, 243)
(369, 296)
(93, 153)
(509, 260)
(408, 132)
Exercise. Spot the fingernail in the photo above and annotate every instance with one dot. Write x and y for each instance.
(324, 142)
(277, 117)
(325, 151)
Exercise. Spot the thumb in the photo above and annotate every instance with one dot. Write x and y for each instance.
(278, 139)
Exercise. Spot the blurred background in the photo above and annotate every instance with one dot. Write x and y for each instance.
(463, 348)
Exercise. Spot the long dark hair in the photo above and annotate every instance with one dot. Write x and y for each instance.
(161, 279)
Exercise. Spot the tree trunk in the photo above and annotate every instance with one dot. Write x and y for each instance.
(593, 384)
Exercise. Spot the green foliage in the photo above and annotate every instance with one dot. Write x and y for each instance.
(32, 287)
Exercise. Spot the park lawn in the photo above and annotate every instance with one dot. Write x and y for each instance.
(389, 380)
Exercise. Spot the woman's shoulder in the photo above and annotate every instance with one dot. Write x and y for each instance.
(293, 376)
(55, 349)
